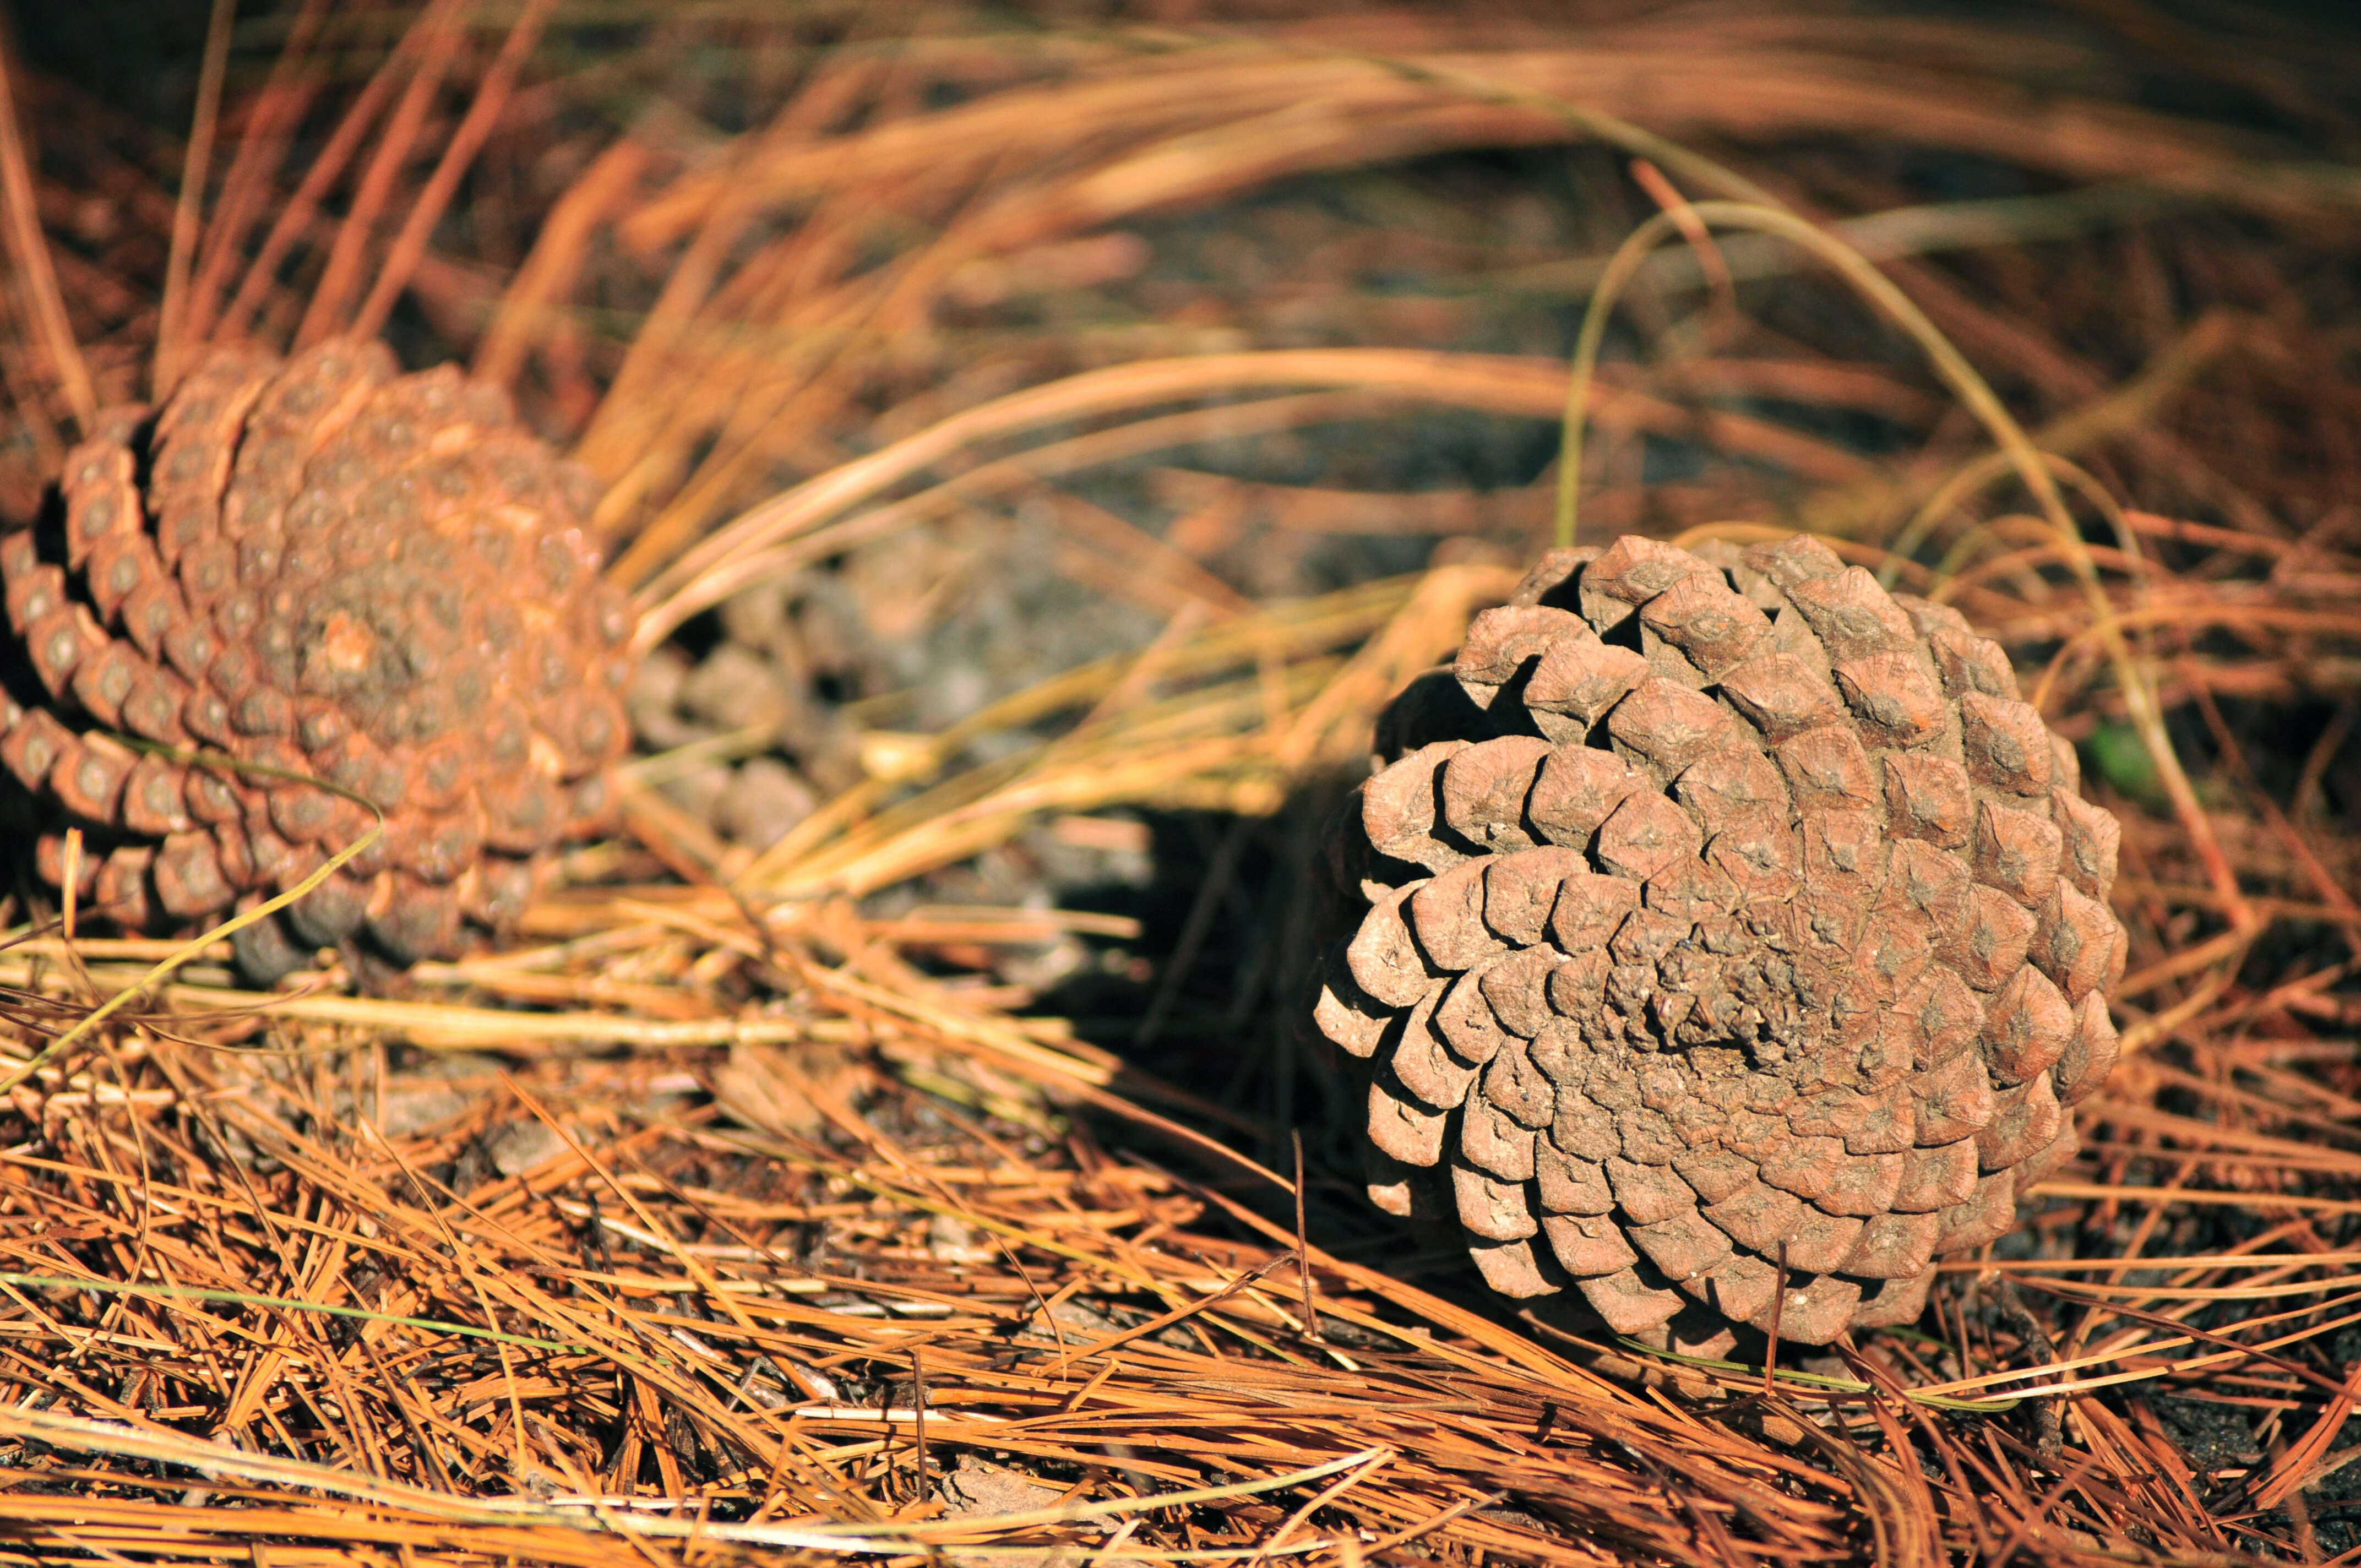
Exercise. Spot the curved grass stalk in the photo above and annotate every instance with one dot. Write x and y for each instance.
(2140, 696)
(706, 574)
(1948, 362)
(2122, 409)
(2278, 618)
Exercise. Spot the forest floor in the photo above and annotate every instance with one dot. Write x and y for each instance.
(1038, 442)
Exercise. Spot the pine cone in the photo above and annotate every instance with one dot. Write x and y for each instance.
(1718, 901)
(333, 571)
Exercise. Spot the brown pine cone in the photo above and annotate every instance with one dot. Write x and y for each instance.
(1718, 902)
(328, 570)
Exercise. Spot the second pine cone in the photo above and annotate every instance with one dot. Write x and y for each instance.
(1717, 903)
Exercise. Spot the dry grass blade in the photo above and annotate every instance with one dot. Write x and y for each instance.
(28, 255)
(171, 317)
(439, 32)
(490, 97)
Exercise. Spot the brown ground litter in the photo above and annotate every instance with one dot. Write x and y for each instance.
(755, 1206)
